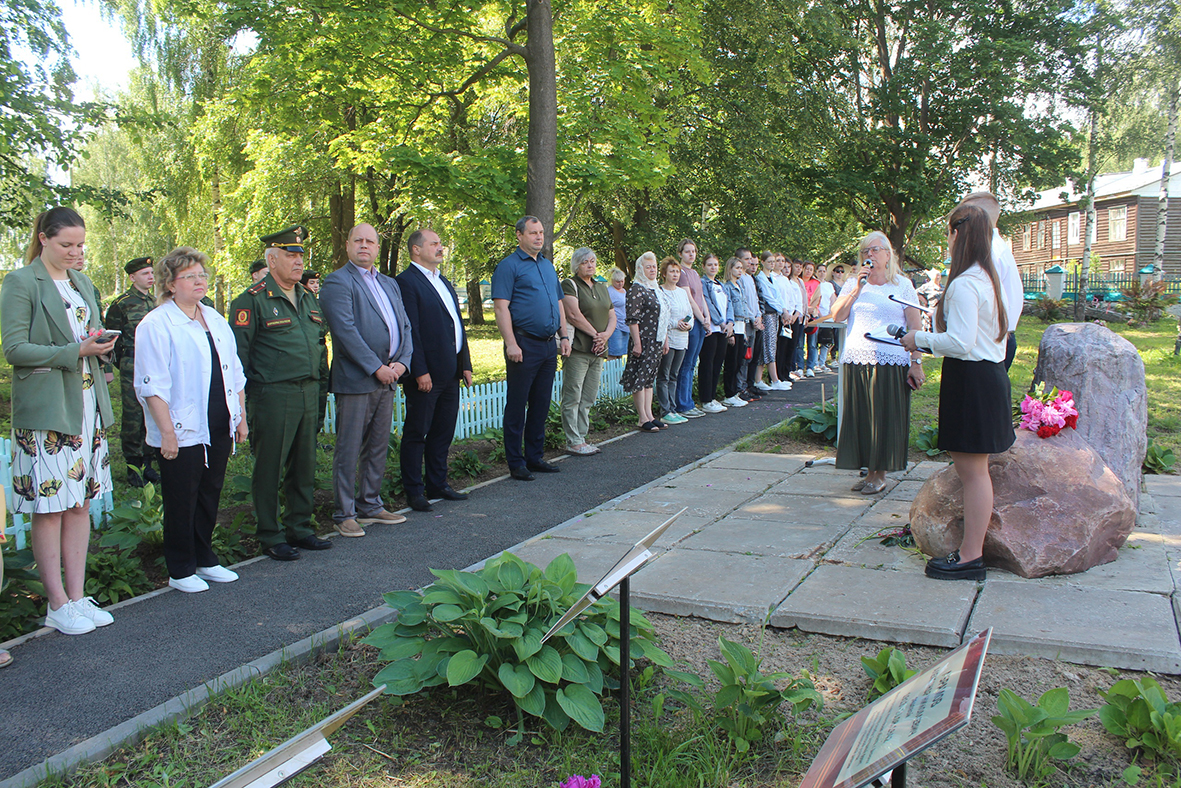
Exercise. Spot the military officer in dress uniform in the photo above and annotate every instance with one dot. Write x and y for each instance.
(124, 315)
(279, 327)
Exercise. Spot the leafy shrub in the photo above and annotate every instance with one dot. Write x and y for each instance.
(748, 700)
(227, 542)
(112, 575)
(928, 441)
(887, 670)
(820, 419)
(20, 594)
(468, 463)
(486, 627)
(240, 490)
(1139, 713)
(1033, 731)
(136, 521)
(1146, 301)
(391, 483)
(1050, 310)
(1158, 460)
(613, 410)
(555, 437)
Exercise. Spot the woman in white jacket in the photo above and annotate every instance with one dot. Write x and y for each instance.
(975, 416)
(192, 387)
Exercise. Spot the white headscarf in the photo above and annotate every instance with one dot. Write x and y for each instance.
(641, 277)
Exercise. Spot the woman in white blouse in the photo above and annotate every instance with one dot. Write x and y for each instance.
(192, 387)
(875, 425)
(975, 417)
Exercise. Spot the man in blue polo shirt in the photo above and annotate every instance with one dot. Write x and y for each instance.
(527, 299)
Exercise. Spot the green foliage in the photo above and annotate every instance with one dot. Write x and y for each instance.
(555, 437)
(19, 594)
(1139, 713)
(468, 463)
(748, 701)
(819, 419)
(1050, 310)
(928, 441)
(112, 575)
(486, 627)
(240, 490)
(227, 542)
(1146, 301)
(1035, 742)
(391, 484)
(887, 670)
(1158, 460)
(136, 521)
(613, 410)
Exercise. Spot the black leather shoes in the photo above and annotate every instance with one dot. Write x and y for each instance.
(521, 474)
(543, 467)
(150, 474)
(312, 542)
(419, 503)
(282, 552)
(133, 477)
(447, 494)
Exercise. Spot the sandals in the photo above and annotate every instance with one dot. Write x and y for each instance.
(5, 658)
(650, 426)
(873, 489)
(857, 487)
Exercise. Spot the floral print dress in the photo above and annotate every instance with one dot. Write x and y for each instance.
(52, 471)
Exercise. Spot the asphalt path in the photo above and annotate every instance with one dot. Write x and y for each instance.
(62, 690)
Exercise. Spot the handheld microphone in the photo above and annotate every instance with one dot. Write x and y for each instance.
(897, 331)
(866, 267)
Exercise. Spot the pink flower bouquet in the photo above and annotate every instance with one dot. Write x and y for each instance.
(1047, 413)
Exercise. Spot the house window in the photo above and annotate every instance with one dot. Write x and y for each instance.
(1117, 223)
(1072, 228)
(1055, 234)
(1027, 238)
(1041, 235)
(1117, 266)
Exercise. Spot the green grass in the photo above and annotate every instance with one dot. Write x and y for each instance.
(487, 351)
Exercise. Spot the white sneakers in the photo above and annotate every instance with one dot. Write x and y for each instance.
(68, 620)
(734, 402)
(216, 574)
(190, 585)
(809, 374)
(713, 407)
(87, 607)
(761, 386)
(781, 385)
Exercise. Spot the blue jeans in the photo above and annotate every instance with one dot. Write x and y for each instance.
(688, 364)
(801, 348)
(813, 350)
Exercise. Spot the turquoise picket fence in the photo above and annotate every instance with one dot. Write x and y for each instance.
(481, 407)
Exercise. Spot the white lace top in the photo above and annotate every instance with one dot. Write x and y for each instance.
(874, 310)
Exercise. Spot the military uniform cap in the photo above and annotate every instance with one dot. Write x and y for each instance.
(291, 239)
(138, 264)
(308, 276)
(258, 265)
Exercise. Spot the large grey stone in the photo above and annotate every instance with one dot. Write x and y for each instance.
(759, 537)
(879, 605)
(1057, 509)
(1121, 629)
(804, 509)
(756, 461)
(719, 586)
(1105, 373)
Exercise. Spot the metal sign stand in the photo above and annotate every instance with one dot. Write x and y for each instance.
(619, 576)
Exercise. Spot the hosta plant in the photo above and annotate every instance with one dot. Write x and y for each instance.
(1033, 731)
(887, 670)
(1139, 713)
(486, 627)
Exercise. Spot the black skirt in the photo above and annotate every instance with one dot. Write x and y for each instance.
(975, 407)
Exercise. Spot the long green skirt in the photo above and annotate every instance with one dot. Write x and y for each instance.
(875, 424)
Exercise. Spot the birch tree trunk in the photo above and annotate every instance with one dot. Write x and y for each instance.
(1162, 211)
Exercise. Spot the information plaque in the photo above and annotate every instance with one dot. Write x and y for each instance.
(903, 722)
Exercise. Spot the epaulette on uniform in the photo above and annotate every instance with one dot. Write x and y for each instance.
(257, 287)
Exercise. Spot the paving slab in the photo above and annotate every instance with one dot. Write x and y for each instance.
(701, 501)
(737, 480)
(885, 514)
(758, 461)
(621, 526)
(925, 470)
(859, 547)
(829, 485)
(905, 491)
(592, 559)
(803, 509)
(1092, 626)
(1163, 486)
(759, 537)
(1140, 565)
(1147, 503)
(1168, 514)
(686, 583)
(902, 607)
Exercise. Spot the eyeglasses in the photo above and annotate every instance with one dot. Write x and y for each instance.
(876, 249)
(201, 277)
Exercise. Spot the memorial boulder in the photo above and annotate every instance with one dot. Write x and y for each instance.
(1106, 375)
(1057, 508)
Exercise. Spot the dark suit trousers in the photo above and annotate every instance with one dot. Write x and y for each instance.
(190, 488)
(427, 433)
(530, 383)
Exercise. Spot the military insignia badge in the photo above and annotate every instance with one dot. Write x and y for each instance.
(242, 317)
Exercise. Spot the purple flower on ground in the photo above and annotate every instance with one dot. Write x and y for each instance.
(578, 781)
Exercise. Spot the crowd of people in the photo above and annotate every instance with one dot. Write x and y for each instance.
(196, 385)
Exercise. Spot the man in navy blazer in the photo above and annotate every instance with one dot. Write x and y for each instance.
(372, 347)
(441, 360)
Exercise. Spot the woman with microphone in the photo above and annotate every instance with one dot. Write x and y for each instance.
(975, 417)
(875, 427)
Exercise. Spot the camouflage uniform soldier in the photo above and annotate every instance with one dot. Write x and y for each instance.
(280, 331)
(311, 280)
(124, 315)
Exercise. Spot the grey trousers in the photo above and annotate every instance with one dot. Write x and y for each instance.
(580, 388)
(362, 443)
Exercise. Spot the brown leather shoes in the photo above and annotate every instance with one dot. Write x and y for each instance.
(383, 517)
(350, 527)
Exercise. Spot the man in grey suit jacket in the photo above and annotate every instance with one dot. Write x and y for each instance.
(372, 347)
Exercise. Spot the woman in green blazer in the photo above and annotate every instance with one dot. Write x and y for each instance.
(50, 326)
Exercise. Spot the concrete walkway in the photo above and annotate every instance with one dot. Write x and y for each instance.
(766, 536)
